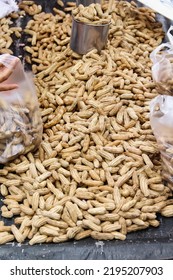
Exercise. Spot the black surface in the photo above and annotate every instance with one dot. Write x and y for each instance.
(152, 243)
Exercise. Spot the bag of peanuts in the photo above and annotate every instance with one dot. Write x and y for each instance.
(161, 118)
(20, 119)
(162, 69)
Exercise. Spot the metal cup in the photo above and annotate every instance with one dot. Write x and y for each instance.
(86, 36)
(87, 2)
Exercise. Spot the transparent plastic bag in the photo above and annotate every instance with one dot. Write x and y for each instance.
(162, 69)
(7, 7)
(161, 118)
(20, 119)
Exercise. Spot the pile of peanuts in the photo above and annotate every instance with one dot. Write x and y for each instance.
(91, 14)
(97, 171)
(7, 31)
(30, 7)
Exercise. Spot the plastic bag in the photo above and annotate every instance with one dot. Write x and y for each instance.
(20, 119)
(7, 7)
(162, 69)
(161, 118)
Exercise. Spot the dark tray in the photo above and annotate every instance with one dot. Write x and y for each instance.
(152, 243)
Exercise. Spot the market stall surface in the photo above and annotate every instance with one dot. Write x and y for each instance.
(152, 243)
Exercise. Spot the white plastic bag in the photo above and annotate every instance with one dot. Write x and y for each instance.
(163, 7)
(162, 69)
(7, 7)
(20, 118)
(161, 118)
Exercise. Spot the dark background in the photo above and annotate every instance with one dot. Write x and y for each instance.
(152, 243)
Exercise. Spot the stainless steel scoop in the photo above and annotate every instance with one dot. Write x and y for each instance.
(86, 36)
